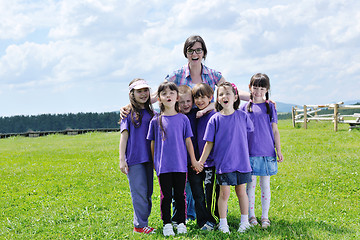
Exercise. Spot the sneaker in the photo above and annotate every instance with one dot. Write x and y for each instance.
(224, 228)
(145, 230)
(181, 228)
(168, 230)
(208, 226)
(243, 227)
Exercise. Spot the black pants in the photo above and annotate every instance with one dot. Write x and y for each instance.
(169, 183)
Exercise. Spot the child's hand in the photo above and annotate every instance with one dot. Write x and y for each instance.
(198, 166)
(280, 157)
(124, 111)
(199, 114)
(124, 167)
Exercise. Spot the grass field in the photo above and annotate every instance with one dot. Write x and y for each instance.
(70, 187)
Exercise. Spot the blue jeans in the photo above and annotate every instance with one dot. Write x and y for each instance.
(141, 179)
(190, 202)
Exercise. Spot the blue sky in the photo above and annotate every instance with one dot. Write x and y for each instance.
(79, 55)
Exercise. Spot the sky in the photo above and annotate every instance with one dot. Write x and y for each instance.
(70, 56)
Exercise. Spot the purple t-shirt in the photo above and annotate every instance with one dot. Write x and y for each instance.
(229, 134)
(138, 147)
(261, 141)
(201, 127)
(170, 155)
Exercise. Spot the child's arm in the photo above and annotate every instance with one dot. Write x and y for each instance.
(122, 149)
(190, 149)
(152, 147)
(206, 152)
(277, 141)
(209, 108)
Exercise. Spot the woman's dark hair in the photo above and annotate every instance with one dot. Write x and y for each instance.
(136, 113)
(172, 86)
(236, 105)
(189, 43)
(260, 80)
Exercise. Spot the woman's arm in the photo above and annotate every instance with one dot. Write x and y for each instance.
(122, 149)
(277, 141)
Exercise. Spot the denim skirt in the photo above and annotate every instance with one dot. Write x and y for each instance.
(263, 166)
(233, 178)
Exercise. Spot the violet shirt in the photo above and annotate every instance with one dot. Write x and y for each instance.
(138, 147)
(261, 141)
(182, 76)
(201, 127)
(170, 155)
(229, 134)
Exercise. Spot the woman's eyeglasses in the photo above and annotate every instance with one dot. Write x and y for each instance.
(197, 51)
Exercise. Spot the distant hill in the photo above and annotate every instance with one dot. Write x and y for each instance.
(284, 107)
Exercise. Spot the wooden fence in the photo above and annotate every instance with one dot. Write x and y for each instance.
(311, 113)
(65, 132)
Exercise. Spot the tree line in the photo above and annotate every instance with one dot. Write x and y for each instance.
(58, 122)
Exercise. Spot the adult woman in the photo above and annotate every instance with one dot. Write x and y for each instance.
(196, 72)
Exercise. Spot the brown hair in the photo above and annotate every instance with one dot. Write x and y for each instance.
(172, 86)
(191, 41)
(136, 115)
(202, 89)
(218, 106)
(259, 80)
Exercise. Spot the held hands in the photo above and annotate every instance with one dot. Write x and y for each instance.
(198, 166)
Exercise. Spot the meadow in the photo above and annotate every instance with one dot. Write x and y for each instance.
(70, 187)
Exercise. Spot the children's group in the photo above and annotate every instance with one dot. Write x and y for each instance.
(199, 145)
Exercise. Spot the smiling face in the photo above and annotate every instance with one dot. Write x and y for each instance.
(202, 101)
(141, 96)
(194, 57)
(185, 102)
(258, 93)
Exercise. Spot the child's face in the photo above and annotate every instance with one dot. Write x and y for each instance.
(226, 97)
(185, 102)
(168, 97)
(258, 92)
(141, 95)
(202, 102)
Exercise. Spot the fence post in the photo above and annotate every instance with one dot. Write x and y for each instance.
(305, 116)
(336, 111)
(293, 115)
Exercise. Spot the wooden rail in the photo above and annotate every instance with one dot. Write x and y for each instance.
(310, 113)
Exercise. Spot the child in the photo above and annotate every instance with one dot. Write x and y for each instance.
(203, 94)
(170, 135)
(226, 133)
(135, 153)
(261, 145)
(186, 107)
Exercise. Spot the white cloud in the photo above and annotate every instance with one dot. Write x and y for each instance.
(308, 48)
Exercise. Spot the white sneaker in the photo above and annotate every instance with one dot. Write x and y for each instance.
(181, 228)
(243, 227)
(168, 230)
(224, 228)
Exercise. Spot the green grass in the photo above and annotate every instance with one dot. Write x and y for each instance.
(70, 187)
